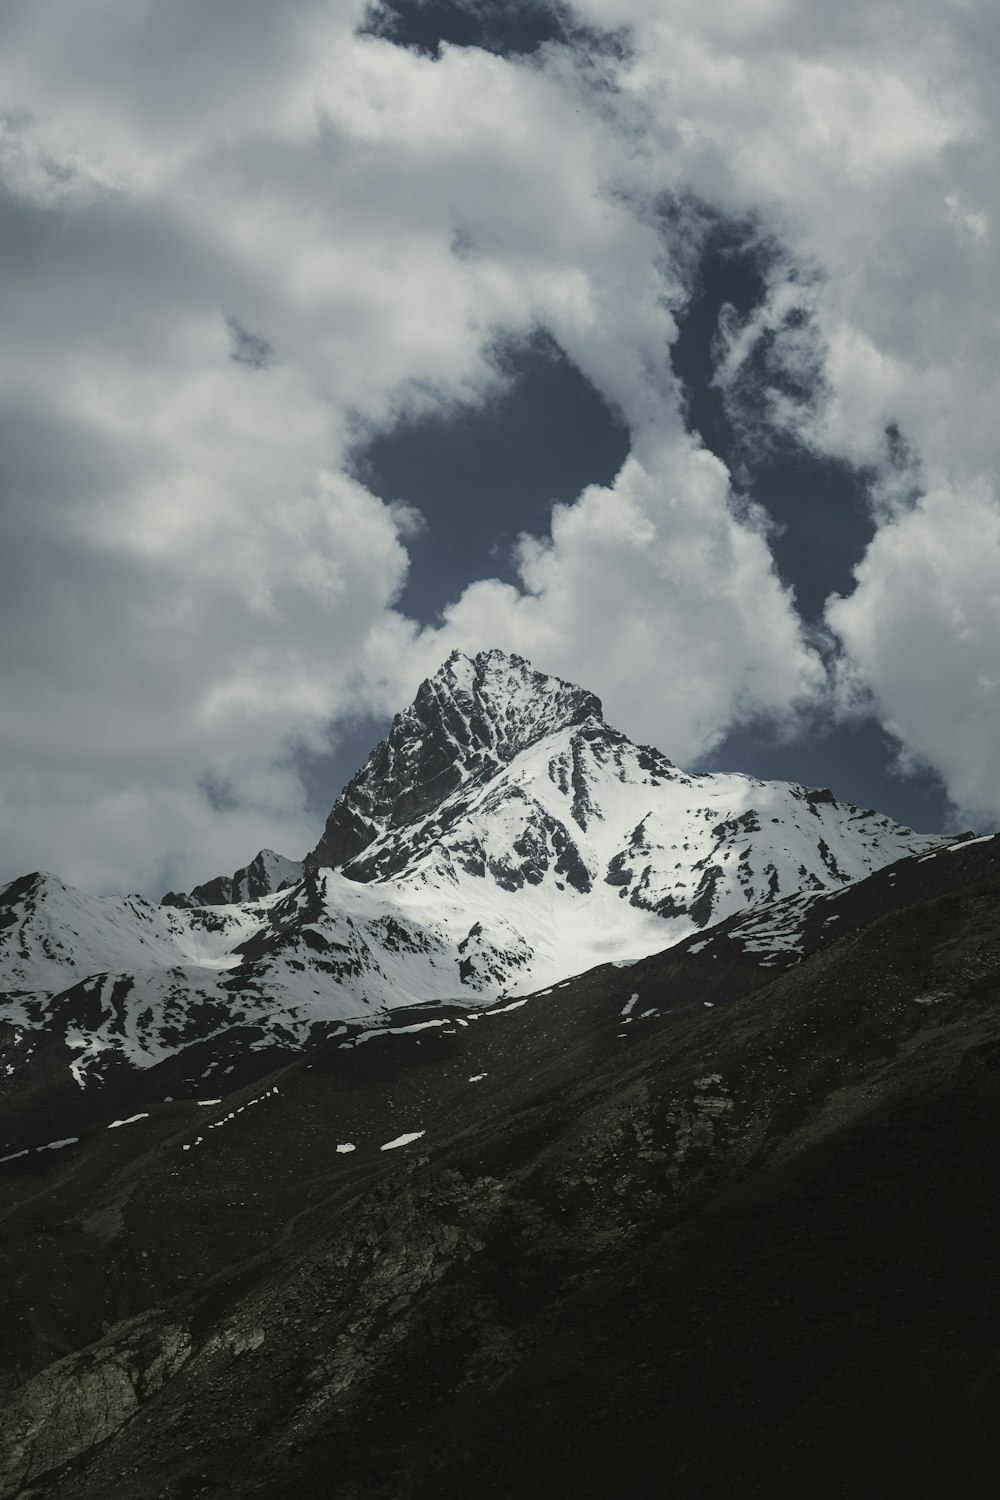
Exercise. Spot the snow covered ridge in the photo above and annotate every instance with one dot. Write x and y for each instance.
(500, 839)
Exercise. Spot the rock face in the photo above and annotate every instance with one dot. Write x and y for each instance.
(502, 773)
(502, 838)
(80, 1402)
(466, 723)
(263, 876)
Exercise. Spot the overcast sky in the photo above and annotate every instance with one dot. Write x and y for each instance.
(655, 340)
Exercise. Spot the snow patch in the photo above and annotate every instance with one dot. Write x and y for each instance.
(501, 1010)
(403, 1140)
(366, 1036)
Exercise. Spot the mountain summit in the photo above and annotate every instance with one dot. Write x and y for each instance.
(474, 716)
(267, 873)
(499, 780)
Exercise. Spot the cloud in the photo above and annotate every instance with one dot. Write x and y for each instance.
(236, 239)
(859, 139)
(248, 348)
(922, 632)
(652, 588)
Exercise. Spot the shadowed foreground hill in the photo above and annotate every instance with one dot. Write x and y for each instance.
(740, 1248)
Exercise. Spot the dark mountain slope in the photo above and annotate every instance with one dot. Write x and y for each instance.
(742, 1248)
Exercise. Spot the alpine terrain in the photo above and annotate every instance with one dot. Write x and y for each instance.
(501, 838)
(564, 1125)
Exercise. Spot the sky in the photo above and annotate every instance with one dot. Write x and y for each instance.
(655, 341)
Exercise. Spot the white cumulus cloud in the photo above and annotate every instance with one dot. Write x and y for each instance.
(922, 631)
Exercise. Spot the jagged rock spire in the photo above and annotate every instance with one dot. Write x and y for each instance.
(474, 715)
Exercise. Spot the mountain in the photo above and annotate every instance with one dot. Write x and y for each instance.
(718, 1221)
(501, 775)
(570, 1126)
(501, 838)
(267, 873)
(466, 723)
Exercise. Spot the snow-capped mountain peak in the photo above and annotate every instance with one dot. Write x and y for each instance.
(475, 715)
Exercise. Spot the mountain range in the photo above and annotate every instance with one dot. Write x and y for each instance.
(564, 1124)
(501, 838)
